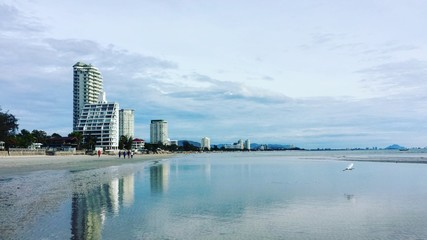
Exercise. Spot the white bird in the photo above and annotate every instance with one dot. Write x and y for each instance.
(350, 167)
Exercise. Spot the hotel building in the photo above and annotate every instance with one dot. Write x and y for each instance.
(86, 88)
(247, 145)
(205, 143)
(100, 120)
(159, 132)
(126, 123)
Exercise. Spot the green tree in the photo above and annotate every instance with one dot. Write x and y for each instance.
(8, 128)
(39, 136)
(172, 148)
(187, 146)
(89, 142)
(152, 147)
(24, 139)
(125, 142)
(55, 135)
(79, 137)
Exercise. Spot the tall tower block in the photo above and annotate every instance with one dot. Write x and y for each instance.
(87, 86)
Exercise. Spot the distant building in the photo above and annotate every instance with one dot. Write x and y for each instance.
(236, 146)
(205, 143)
(35, 146)
(138, 144)
(101, 120)
(239, 144)
(126, 123)
(87, 85)
(159, 132)
(173, 142)
(247, 145)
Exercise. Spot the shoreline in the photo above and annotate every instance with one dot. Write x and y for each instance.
(17, 165)
(13, 165)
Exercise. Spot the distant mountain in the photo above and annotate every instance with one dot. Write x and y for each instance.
(181, 143)
(395, 147)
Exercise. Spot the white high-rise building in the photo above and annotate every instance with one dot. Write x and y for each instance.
(205, 143)
(101, 121)
(247, 145)
(127, 123)
(159, 132)
(86, 88)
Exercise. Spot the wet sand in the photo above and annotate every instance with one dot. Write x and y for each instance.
(25, 164)
(33, 186)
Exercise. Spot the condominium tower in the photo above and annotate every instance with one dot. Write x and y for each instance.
(247, 145)
(126, 123)
(159, 132)
(86, 88)
(100, 121)
(205, 143)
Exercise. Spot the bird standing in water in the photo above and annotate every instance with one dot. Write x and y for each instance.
(350, 167)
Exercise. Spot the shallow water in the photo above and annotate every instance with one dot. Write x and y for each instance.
(220, 196)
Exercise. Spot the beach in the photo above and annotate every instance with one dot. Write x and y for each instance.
(34, 186)
(24, 164)
(193, 196)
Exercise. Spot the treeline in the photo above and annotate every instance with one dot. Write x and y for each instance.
(13, 138)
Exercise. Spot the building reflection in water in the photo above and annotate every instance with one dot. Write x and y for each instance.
(91, 208)
(128, 190)
(159, 178)
(208, 171)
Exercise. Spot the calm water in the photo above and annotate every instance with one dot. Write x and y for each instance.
(220, 196)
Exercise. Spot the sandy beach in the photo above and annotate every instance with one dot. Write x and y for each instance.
(25, 164)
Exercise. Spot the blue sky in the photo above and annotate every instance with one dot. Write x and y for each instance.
(309, 73)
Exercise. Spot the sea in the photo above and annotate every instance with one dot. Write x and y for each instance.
(240, 195)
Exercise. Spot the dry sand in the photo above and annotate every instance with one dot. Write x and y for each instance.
(25, 164)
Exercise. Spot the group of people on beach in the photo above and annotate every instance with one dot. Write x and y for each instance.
(128, 153)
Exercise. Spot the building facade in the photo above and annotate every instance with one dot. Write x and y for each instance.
(138, 144)
(100, 121)
(239, 145)
(247, 145)
(127, 123)
(205, 143)
(87, 86)
(159, 132)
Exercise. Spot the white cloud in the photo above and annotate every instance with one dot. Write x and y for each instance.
(246, 78)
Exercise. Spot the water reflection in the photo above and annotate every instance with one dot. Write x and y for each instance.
(208, 171)
(159, 178)
(90, 207)
(200, 197)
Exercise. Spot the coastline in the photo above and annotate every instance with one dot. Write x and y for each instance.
(13, 165)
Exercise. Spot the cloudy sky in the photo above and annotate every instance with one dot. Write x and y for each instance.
(311, 73)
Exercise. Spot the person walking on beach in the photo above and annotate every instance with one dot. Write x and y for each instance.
(120, 154)
(131, 154)
(124, 154)
(99, 153)
(128, 153)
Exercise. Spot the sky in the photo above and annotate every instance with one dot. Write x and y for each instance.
(312, 73)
